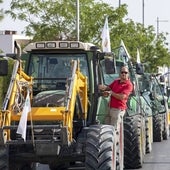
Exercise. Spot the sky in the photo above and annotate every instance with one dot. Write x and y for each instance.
(156, 13)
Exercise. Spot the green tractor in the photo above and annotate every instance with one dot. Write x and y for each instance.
(136, 122)
(152, 92)
(161, 112)
(145, 94)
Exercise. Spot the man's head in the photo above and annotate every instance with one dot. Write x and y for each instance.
(124, 73)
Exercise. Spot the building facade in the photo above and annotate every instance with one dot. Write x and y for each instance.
(7, 39)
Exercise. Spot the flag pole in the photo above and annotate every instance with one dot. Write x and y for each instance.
(77, 25)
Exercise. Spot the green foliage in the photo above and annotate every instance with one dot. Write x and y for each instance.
(56, 20)
(1, 17)
(5, 80)
(1, 12)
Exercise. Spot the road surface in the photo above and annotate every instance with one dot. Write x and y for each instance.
(159, 158)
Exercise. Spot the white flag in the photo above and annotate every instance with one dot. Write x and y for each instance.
(126, 52)
(138, 57)
(106, 37)
(22, 127)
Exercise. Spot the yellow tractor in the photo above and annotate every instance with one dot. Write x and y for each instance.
(52, 112)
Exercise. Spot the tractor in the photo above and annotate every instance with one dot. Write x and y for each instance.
(52, 111)
(135, 122)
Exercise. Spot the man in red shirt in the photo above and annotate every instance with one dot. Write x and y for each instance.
(119, 91)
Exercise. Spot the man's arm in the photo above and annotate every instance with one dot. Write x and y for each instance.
(116, 95)
(104, 87)
(119, 96)
(125, 94)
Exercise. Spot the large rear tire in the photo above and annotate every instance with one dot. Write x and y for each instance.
(149, 134)
(120, 146)
(3, 158)
(134, 143)
(157, 128)
(165, 132)
(100, 148)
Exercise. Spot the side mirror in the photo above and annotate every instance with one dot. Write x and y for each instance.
(163, 102)
(151, 96)
(3, 67)
(139, 68)
(162, 79)
(109, 65)
(168, 91)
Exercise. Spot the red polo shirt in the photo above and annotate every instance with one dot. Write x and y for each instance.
(120, 87)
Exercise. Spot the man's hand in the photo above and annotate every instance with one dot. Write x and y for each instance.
(101, 87)
(106, 93)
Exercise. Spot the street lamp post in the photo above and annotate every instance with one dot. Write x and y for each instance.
(77, 23)
(143, 12)
(158, 21)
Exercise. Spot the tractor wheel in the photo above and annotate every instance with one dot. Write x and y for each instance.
(100, 150)
(165, 132)
(157, 128)
(120, 147)
(148, 129)
(134, 144)
(3, 158)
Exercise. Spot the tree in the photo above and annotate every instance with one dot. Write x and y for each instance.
(1, 11)
(1, 17)
(56, 20)
(153, 48)
(49, 20)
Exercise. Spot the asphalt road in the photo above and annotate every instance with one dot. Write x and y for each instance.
(158, 159)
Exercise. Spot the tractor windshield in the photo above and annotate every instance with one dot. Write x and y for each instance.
(50, 71)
